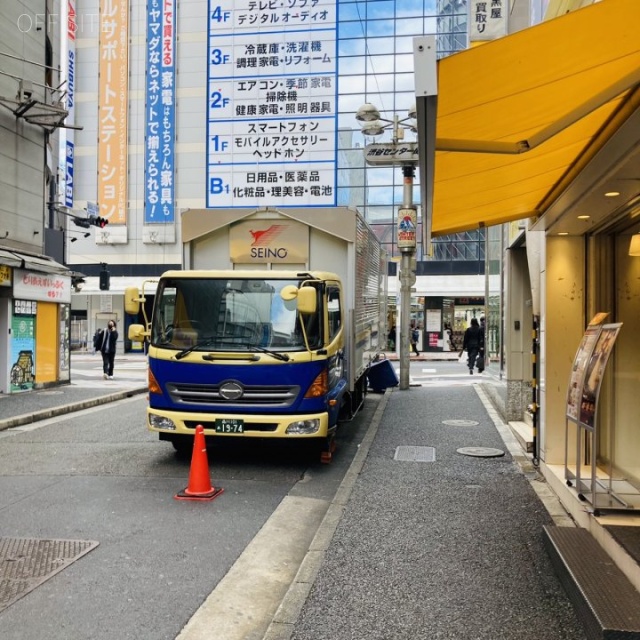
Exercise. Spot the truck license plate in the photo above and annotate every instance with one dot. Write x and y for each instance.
(229, 425)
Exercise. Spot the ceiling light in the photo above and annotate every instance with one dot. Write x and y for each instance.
(563, 233)
(583, 217)
(634, 247)
(612, 194)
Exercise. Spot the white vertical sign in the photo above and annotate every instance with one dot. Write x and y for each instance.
(272, 103)
(488, 19)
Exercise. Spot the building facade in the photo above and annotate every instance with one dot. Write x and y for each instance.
(205, 105)
(35, 286)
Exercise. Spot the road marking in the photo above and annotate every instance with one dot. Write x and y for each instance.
(243, 604)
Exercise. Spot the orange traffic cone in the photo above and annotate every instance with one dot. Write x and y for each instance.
(199, 480)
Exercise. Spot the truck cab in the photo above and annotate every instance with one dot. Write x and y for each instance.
(248, 354)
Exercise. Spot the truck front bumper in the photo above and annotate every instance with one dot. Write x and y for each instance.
(239, 425)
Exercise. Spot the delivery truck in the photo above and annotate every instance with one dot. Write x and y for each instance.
(269, 329)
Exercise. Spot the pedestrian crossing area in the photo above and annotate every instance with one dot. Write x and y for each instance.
(430, 377)
(126, 374)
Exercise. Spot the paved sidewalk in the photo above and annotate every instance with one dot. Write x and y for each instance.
(447, 547)
(85, 389)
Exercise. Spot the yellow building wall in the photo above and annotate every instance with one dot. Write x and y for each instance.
(46, 343)
(563, 298)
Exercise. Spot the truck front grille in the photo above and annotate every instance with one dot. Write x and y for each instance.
(253, 395)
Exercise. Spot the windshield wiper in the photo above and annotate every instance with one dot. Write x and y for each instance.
(279, 356)
(201, 343)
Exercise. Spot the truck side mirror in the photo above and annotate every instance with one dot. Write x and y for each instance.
(307, 300)
(137, 333)
(132, 301)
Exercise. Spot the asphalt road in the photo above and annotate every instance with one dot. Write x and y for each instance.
(98, 475)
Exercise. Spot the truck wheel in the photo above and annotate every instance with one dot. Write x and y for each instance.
(183, 445)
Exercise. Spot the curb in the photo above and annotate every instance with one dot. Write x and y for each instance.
(45, 414)
(289, 610)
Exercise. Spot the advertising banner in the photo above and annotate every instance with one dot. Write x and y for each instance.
(488, 19)
(595, 372)
(583, 354)
(113, 98)
(47, 287)
(160, 118)
(23, 346)
(272, 104)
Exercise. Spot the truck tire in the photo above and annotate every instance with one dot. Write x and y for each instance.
(183, 445)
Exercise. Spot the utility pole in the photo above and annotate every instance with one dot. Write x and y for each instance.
(404, 154)
(407, 226)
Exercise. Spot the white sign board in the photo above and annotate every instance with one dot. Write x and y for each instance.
(47, 287)
(272, 103)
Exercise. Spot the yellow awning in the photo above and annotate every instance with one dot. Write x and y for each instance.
(516, 117)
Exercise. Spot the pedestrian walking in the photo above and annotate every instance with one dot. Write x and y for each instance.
(473, 344)
(414, 337)
(107, 347)
(391, 338)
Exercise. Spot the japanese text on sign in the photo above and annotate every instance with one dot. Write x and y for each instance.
(488, 19)
(112, 110)
(272, 101)
(40, 286)
(160, 112)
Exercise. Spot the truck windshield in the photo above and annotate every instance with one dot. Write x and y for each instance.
(213, 314)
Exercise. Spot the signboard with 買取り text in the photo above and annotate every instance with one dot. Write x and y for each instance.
(160, 111)
(488, 19)
(272, 103)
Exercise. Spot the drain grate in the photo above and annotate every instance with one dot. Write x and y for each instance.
(460, 423)
(407, 453)
(25, 563)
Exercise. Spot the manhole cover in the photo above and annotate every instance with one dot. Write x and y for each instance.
(406, 453)
(460, 423)
(26, 563)
(481, 452)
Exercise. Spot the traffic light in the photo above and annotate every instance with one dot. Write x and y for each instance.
(104, 280)
(99, 222)
(82, 222)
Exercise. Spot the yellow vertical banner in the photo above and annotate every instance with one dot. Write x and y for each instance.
(47, 342)
(112, 110)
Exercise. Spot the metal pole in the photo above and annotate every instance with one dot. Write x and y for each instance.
(406, 282)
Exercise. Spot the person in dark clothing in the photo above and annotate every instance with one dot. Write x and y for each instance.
(391, 337)
(473, 344)
(108, 349)
(414, 336)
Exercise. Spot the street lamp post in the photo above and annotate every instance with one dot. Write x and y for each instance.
(406, 156)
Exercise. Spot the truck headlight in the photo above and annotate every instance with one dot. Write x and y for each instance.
(161, 422)
(304, 427)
